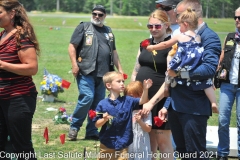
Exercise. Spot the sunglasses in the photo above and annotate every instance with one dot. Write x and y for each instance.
(165, 8)
(98, 14)
(157, 26)
(236, 17)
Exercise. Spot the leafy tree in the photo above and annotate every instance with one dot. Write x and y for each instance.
(216, 8)
(73, 6)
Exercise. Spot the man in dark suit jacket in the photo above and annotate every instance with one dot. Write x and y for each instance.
(190, 110)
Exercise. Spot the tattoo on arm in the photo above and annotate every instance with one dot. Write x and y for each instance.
(137, 66)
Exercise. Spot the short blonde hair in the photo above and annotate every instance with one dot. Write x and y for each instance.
(134, 88)
(162, 16)
(189, 16)
(110, 76)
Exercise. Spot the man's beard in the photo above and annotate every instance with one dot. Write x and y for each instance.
(97, 23)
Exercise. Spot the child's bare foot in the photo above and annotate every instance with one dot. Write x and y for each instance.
(214, 108)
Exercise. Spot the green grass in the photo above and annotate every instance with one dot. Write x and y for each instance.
(54, 57)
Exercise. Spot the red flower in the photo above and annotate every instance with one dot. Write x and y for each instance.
(125, 76)
(92, 114)
(62, 109)
(145, 43)
(157, 121)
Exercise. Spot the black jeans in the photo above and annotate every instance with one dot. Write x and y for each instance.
(16, 121)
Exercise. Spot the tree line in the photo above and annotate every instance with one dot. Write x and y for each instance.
(211, 8)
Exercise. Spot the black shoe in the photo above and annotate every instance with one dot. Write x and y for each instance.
(222, 158)
(93, 137)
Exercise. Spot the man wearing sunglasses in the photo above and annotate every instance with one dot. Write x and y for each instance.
(190, 109)
(168, 6)
(92, 53)
(229, 82)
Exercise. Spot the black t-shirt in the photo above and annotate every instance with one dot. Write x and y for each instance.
(103, 57)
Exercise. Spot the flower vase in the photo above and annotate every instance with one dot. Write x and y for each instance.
(48, 98)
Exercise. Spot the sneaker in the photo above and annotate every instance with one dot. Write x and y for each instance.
(72, 134)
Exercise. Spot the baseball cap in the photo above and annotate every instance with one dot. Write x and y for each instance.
(99, 8)
(168, 2)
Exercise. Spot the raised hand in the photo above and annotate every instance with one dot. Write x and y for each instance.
(147, 84)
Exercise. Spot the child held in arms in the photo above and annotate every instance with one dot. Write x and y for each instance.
(188, 55)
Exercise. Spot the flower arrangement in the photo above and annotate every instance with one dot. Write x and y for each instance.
(146, 43)
(92, 114)
(61, 117)
(51, 84)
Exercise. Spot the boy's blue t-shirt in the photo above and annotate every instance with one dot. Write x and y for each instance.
(119, 135)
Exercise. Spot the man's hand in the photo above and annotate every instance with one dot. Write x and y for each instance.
(75, 70)
(162, 114)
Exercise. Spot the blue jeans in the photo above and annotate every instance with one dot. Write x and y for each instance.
(228, 93)
(91, 91)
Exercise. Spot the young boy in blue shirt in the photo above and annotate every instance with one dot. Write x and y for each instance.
(114, 116)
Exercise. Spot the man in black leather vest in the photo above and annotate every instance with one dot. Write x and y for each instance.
(92, 52)
(229, 83)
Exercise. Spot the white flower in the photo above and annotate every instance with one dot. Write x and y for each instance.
(209, 81)
(200, 49)
(198, 83)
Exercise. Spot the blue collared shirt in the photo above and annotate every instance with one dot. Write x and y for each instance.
(119, 134)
